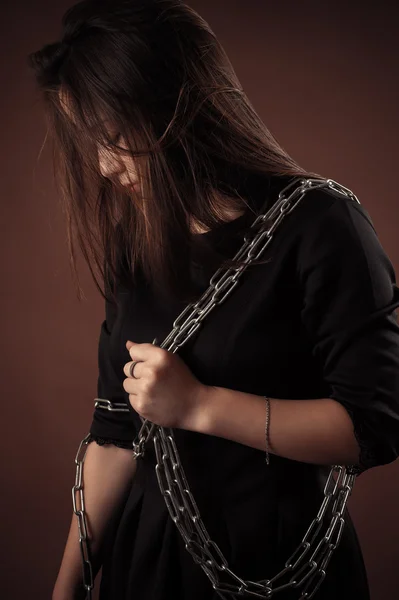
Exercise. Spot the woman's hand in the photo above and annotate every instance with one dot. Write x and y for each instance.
(163, 388)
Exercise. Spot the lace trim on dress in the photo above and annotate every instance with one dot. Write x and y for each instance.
(368, 457)
(101, 441)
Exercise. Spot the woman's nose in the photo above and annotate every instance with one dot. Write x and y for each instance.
(109, 163)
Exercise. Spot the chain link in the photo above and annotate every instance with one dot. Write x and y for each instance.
(300, 568)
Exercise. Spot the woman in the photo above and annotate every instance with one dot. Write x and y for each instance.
(164, 165)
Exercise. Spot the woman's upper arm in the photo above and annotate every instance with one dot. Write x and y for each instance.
(349, 301)
(116, 427)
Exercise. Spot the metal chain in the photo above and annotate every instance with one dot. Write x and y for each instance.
(78, 498)
(185, 514)
(170, 474)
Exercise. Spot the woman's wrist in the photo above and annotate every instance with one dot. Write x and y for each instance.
(227, 413)
(197, 417)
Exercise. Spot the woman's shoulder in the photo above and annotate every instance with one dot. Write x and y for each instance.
(329, 238)
(336, 219)
(329, 216)
(340, 252)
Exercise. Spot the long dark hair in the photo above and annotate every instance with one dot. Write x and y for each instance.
(156, 72)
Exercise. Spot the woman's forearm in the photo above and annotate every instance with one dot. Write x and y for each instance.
(107, 474)
(316, 431)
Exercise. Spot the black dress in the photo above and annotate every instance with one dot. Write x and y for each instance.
(318, 320)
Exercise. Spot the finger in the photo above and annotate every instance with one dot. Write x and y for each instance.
(127, 367)
(141, 351)
(129, 386)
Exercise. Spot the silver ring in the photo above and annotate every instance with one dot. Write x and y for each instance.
(131, 368)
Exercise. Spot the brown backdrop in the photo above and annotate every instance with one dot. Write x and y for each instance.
(324, 79)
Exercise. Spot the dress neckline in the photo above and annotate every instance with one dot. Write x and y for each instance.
(225, 226)
(226, 236)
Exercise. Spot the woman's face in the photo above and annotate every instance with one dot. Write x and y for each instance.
(115, 165)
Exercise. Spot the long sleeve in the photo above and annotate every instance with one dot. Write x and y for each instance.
(349, 301)
(116, 427)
